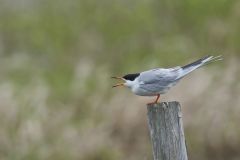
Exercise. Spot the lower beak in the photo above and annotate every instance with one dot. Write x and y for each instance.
(119, 84)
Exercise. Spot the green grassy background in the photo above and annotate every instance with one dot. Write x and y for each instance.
(57, 57)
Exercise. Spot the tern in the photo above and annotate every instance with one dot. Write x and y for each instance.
(158, 81)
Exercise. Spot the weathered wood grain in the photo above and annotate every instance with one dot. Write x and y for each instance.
(166, 131)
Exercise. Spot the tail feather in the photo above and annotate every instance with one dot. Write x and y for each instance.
(196, 62)
(212, 59)
(199, 63)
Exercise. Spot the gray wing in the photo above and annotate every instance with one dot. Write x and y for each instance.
(159, 79)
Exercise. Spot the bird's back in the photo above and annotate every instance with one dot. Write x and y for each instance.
(157, 81)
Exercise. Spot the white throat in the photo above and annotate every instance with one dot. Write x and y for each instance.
(130, 84)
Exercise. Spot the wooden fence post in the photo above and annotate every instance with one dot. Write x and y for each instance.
(166, 131)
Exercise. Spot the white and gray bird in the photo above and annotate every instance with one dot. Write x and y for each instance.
(158, 81)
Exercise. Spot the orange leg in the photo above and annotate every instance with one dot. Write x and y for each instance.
(158, 96)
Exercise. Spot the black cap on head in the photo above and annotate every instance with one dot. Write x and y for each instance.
(131, 77)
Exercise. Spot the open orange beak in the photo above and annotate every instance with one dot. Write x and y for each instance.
(118, 84)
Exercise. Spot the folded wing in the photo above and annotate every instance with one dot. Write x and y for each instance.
(159, 79)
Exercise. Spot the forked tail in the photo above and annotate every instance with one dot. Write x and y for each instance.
(199, 63)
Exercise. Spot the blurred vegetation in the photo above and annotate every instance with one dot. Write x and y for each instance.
(56, 58)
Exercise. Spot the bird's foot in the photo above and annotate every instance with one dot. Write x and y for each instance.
(152, 103)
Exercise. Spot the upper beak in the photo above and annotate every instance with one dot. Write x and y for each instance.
(118, 84)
